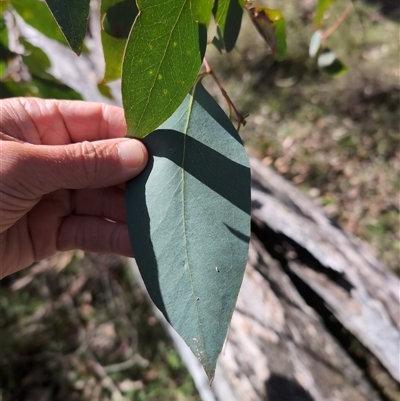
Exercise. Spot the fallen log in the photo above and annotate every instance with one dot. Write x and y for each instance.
(361, 293)
(278, 346)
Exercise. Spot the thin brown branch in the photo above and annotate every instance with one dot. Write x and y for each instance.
(241, 120)
(337, 23)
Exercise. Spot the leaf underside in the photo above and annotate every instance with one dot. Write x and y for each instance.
(162, 59)
(329, 63)
(72, 18)
(188, 217)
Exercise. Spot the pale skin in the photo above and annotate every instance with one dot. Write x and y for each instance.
(63, 165)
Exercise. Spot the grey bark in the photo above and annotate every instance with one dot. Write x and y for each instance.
(361, 293)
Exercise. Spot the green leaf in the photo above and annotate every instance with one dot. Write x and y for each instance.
(3, 32)
(3, 69)
(271, 26)
(105, 90)
(218, 42)
(72, 18)
(188, 218)
(162, 59)
(36, 60)
(117, 18)
(3, 6)
(228, 17)
(321, 8)
(201, 10)
(29, 10)
(38, 87)
(328, 63)
(5, 54)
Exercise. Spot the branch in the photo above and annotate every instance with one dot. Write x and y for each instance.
(240, 118)
(337, 23)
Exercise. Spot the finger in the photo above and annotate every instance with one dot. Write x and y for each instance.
(34, 170)
(108, 203)
(60, 122)
(94, 234)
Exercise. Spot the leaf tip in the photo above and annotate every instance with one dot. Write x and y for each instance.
(210, 375)
(77, 51)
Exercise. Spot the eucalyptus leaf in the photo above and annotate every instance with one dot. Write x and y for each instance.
(201, 10)
(329, 63)
(29, 10)
(3, 6)
(218, 41)
(117, 18)
(5, 54)
(228, 17)
(105, 90)
(271, 26)
(72, 18)
(315, 43)
(320, 10)
(38, 87)
(36, 60)
(188, 218)
(3, 33)
(162, 59)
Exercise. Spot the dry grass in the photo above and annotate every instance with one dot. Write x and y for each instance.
(336, 138)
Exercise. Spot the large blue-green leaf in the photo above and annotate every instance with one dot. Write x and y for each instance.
(72, 18)
(162, 59)
(189, 222)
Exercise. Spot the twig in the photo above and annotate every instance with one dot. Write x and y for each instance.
(240, 118)
(106, 380)
(118, 367)
(337, 23)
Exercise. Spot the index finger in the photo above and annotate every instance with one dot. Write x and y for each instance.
(60, 122)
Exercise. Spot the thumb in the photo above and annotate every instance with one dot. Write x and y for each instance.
(41, 169)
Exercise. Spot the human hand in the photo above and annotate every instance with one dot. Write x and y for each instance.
(62, 169)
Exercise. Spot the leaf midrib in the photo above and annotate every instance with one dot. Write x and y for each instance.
(159, 65)
(190, 106)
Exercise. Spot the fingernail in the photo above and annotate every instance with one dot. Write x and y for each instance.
(131, 153)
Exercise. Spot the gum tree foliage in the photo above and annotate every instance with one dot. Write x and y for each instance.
(189, 211)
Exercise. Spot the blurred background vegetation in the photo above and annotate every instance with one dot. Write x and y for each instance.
(76, 326)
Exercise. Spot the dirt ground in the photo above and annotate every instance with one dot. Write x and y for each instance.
(336, 138)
